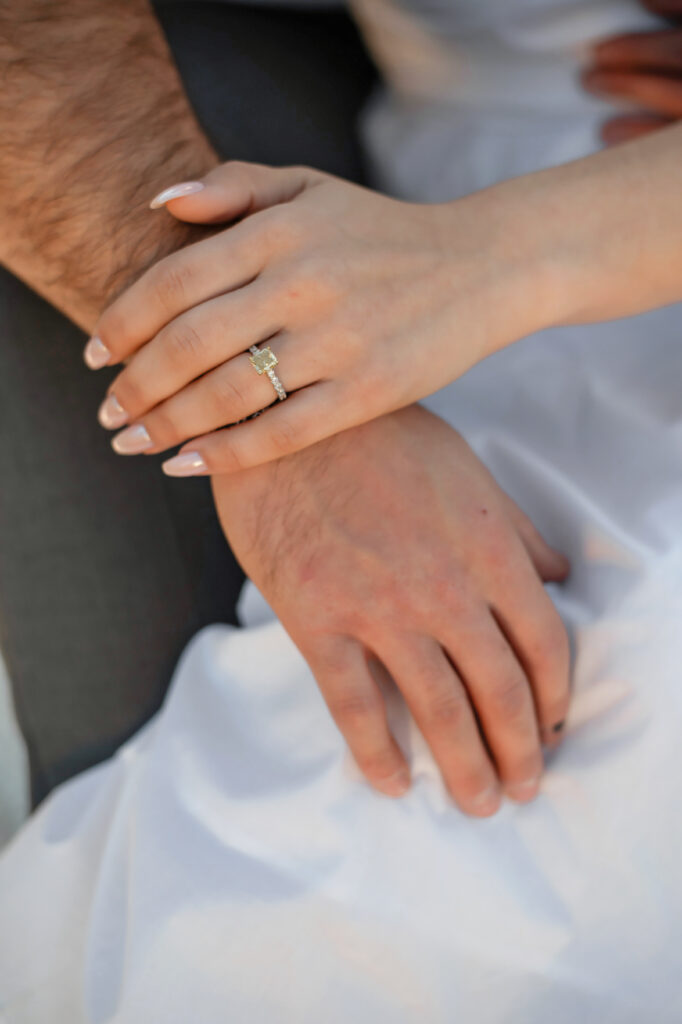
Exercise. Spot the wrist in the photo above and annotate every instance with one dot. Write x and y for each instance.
(499, 266)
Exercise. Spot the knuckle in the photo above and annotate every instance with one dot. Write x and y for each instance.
(228, 399)
(223, 459)
(445, 710)
(354, 708)
(509, 697)
(171, 281)
(184, 342)
(333, 660)
(284, 437)
(280, 228)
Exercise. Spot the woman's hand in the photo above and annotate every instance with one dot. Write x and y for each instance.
(644, 68)
(368, 304)
(392, 543)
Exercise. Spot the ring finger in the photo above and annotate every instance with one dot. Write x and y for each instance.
(222, 397)
(441, 708)
(503, 699)
(187, 348)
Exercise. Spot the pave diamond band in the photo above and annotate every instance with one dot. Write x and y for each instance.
(264, 361)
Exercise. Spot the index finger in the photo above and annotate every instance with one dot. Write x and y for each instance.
(186, 278)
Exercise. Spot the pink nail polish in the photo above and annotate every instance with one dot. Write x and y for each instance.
(111, 413)
(132, 441)
(185, 464)
(96, 354)
(185, 188)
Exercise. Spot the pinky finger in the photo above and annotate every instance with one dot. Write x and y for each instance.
(304, 418)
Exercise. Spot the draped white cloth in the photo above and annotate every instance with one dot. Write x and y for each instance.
(231, 865)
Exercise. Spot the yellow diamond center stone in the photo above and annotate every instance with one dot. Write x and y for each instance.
(263, 360)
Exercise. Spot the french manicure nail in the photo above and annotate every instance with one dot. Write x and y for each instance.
(395, 785)
(185, 188)
(132, 441)
(111, 413)
(96, 354)
(185, 464)
(523, 791)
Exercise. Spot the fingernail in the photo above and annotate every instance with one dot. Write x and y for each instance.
(185, 464)
(96, 354)
(395, 785)
(111, 413)
(486, 802)
(523, 791)
(132, 441)
(185, 188)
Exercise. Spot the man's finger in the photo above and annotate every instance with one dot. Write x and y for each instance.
(535, 632)
(356, 704)
(503, 699)
(441, 708)
(551, 565)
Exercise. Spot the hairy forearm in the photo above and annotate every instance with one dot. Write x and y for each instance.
(93, 121)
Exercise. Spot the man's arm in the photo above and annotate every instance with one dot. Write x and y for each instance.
(93, 121)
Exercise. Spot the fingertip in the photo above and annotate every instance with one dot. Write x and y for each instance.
(395, 785)
(182, 190)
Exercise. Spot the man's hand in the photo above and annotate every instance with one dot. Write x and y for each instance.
(393, 542)
(644, 68)
(93, 120)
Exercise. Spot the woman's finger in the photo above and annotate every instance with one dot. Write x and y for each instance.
(189, 347)
(358, 708)
(225, 396)
(671, 9)
(441, 708)
(234, 190)
(628, 127)
(640, 51)
(303, 419)
(187, 278)
(656, 93)
(503, 699)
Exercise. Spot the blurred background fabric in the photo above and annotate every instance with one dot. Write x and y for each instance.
(14, 799)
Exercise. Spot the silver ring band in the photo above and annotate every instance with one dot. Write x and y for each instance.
(263, 361)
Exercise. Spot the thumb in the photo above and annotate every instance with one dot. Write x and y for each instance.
(234, 190)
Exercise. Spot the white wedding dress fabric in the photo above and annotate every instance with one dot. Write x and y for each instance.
(230, 864)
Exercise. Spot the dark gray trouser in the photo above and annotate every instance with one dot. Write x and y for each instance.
(106, 566)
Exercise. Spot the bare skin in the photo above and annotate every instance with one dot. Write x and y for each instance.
(645, 69)
(76, 172)
(371, 303)
(445, 591)
(78, 156)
